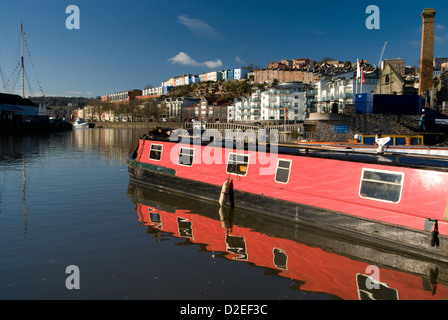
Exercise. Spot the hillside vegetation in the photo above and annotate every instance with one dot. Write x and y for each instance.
(218, 89)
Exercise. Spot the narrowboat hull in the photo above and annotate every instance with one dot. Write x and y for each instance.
(326, 197)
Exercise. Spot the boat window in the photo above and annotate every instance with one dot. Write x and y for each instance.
(280, 258)
(237, 164)
(186, 156)
(283, 169)
(381, 185)
(155, 153)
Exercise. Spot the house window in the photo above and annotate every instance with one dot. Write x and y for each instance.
(186, 157)
(283, 169)
(237, 164)
(381, 185)
(155, 153)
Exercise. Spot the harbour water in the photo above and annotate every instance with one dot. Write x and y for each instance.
(66, 200)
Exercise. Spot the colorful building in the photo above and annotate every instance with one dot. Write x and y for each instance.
(124, 97)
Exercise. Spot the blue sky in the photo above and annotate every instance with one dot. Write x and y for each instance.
(124, 45)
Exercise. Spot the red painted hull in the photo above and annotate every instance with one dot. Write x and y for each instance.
(318, 182)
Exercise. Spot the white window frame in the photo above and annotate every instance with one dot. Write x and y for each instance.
(179, 156)
(247, 164)
(289, 170)
(377, 181)
(161, 151)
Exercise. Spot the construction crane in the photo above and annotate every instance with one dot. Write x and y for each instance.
(381, 57)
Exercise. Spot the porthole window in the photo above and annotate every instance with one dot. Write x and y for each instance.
(155, 153)
(283, 170)
(381, 185)
(237, 164)
(186, 156)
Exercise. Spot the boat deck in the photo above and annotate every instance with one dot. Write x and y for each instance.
(371, 156)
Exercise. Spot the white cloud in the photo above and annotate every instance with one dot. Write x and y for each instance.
(185, 60)
(440, 35)
(239, 60)
(439, 27)
(441, 40)
(197, 26)
(213, 64)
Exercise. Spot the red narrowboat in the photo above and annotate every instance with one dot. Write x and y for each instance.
(392, 200)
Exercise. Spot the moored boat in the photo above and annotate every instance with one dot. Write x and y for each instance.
(397, 201)
(80, 123)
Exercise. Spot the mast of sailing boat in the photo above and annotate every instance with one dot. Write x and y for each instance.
(23, 86)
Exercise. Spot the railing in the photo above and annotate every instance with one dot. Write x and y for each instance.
(298, 127)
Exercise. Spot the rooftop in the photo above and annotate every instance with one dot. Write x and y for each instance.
(6, 98)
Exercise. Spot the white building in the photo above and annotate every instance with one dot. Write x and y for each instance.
(239, 74)
(334, 94)
(152, 91)
(212, 76)
(174, 106)
(286, 98)
(248, 108)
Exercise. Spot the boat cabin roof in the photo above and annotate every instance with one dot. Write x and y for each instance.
(410, 160)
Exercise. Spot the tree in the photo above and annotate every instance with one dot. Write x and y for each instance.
(251, 67)
(326, 59)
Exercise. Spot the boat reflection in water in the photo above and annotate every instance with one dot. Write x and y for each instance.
(342, 269)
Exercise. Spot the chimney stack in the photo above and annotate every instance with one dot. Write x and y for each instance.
(427, 54)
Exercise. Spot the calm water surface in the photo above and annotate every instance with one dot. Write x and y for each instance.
(66, 199)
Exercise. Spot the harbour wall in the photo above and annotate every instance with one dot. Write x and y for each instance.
(322, 127)
(343, 127)
(137, 125)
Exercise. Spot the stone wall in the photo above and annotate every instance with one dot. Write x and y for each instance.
(138, 125)
(364, 124)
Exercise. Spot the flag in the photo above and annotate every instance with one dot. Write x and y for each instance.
(363, 80)
(358, 71)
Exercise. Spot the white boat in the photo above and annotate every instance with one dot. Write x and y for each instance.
(80, 123)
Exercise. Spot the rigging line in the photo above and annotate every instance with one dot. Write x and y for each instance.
(3, 77)
(13, 88)
(28, 82)
(11, 76)
(32, 64)
(1, 70)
